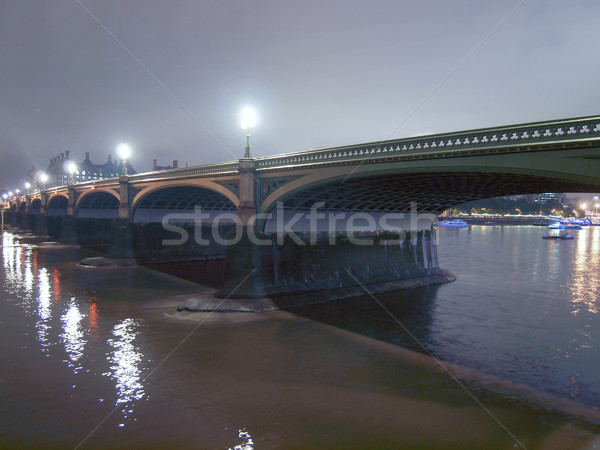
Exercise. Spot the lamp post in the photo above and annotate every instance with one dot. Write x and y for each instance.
(248, 122)
(71, 167)
(124, 153)
(17, 192)
(27, 186)
(43, 178)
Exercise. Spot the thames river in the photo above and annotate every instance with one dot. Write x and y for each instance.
(507, 356)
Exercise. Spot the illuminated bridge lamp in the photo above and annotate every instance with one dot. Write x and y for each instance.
(27, 186)
(124, 152)
(43, 178)
(248, 122)
(70, 167)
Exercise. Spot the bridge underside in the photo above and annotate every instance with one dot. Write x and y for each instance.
(432, 192)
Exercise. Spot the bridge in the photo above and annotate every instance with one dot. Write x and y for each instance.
(324, 220)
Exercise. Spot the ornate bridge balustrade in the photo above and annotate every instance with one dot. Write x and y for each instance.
(296, 214)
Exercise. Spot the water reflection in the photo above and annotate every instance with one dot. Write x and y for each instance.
(43, 309)
(585, 283)
(76, 324)
(125, 362)
(73, 335)
(247, 444)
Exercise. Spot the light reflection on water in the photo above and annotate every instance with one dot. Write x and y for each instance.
(45, 314)
(73, 335)
(59, 321)
(585, 283)
(125, 360)
(248, 444)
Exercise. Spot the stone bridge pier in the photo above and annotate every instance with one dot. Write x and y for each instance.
(315, 253)
(307, 262)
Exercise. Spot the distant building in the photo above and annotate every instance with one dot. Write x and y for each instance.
(549, 196)
(58, 174)
(527, 197)
(156, 167)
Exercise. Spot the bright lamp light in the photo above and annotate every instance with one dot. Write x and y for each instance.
(248, 118)
(70, 167)
(124, 151)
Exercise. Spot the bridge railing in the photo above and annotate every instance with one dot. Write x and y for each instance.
(530, 134)
(209, 169)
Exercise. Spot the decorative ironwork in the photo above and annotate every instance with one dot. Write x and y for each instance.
(528, 135)
(233, 186)
(269, 185)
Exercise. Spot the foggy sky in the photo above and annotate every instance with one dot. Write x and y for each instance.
(174, 78)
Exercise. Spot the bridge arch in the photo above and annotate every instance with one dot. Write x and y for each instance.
(201, 183)
(98, 203)
(150, 205)
(435, 185)
(22, 207)
(35, 206)
(57, 205)
(429, 190)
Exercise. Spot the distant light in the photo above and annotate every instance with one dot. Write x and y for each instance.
(248, 118)
(584, 206)
(43, 177)
(123, 151)
(17, 191)
(10, 194)
(27, 185)
(4, 196)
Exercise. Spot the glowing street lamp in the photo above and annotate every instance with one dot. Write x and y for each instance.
(10, 194)
(70, 167)
(17, 192)
(27, 186)
(248, 122)
(124, 152)
(43, 177)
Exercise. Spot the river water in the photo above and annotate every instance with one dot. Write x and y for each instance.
(97, 357)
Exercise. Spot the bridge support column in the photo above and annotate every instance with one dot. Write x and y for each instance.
(24, 221)
(299, 269)
(121, 239)
(244, 268)
(68, 227)
(343, 265)
(40, 224)
(68, 230)
(244, 261)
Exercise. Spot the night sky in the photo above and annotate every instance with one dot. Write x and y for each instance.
(170, 77)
